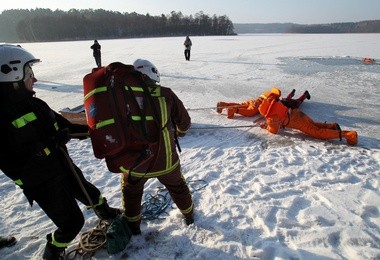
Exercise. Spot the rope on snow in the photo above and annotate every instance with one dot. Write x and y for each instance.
(155, 205)
(90, 241)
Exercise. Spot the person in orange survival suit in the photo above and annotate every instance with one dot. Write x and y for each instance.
(278, 116)
(249, 108)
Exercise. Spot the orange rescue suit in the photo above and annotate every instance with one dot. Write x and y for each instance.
(279, 116)
(250, 107)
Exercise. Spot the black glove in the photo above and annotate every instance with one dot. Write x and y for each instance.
(84, 136)
(80, 132)
(62, 137)
(180, 134)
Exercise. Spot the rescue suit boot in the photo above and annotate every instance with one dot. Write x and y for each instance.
(307, 95)
(219, 108)
(231, 112)
(53, 253)
(7, 241)
(291, 94)
(351, 137)
(104, 211)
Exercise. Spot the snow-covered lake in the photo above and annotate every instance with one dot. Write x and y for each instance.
(283, 196)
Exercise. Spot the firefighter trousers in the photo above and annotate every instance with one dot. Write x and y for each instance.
(57, 198)
(174, 183)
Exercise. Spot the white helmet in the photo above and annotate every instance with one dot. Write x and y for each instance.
(147, 68)
(13, 60)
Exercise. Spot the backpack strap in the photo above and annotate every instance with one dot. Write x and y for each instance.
(176, 136)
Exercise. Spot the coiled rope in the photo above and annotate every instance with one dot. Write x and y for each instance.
(155, 205)
(153, 208)
(90, 241)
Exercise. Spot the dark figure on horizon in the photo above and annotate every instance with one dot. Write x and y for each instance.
(187, 44)
(96, 53)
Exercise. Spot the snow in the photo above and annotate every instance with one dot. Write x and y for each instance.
(284, 196)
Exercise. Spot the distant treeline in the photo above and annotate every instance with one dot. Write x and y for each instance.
(36, 25)
(358, 27)
(262, 27)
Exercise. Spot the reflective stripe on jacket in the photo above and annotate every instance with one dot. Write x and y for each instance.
(27, 154)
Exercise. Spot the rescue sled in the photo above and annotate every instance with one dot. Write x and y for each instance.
(75, 115)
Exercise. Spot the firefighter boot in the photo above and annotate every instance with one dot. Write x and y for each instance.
(53, 253)
(7, 241)
(219, 108)
(189, 220)
(104, 211)
(135, 227)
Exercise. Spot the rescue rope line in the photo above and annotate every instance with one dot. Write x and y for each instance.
(222, 127)
(95, 238)
(155, 205)
(47, 81)
(70, 163)
(53, 82)
(208, 108)
(195, 128)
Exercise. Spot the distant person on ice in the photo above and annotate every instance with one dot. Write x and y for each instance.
(34, 155)
(187, 45)
(96, 53)
(250, 108)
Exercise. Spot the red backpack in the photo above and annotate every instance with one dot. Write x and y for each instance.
(116, 102)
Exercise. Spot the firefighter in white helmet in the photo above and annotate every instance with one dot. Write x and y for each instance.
(172, 120)
(34, 155)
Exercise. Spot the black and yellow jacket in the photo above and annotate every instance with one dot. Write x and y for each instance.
(29, 154)
(173, 119)
(133, 122)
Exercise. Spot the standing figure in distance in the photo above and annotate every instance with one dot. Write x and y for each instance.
(34, 155)
(187, 44)
(96, 53)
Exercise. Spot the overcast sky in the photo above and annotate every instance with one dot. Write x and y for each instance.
(239, 11)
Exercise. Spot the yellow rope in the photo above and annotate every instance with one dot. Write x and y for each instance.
(90, 241)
